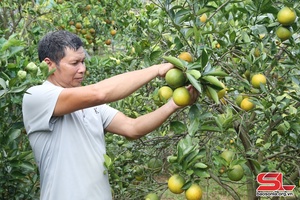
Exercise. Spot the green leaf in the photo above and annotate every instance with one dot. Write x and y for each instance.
(197, 34)
(201, 173)
(3, 83)
(193, 127)
(194, 65)
(185, 153)
(13, 134)
(204, 58)
(181, 16)
(209, 128)
(194, 82)
(18, 89)
(178, 127)
(214, 94)
(194, 112)
(195, 73)
(107, 161)
(27, 165)
(155, 55)
(200, 165)
(217, 72)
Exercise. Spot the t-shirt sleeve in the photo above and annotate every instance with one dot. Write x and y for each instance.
(107, 114)
(38, 106)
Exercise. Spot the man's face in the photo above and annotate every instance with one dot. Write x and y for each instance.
(71, 69)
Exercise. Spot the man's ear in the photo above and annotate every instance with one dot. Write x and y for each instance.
(50, 63)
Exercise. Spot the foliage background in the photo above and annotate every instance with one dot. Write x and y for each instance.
(264, 139)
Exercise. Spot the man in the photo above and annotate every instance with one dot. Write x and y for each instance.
(65, 121)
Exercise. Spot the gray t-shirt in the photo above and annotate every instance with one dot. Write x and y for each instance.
(68, 149)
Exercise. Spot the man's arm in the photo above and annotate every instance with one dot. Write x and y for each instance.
(138, 127)
(108, 90)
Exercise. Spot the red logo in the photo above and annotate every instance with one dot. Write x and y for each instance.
(271, 184)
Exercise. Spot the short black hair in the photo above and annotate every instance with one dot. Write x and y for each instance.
(53, 45)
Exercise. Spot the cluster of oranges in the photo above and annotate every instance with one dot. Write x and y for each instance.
(286, 17)
(243, 100)
(176, 80)
(234, 172)
(175, 184)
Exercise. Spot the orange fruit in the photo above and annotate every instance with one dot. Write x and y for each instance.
(113, 32)
(155, 164)
(175, 183)
(92, 31)
(258, 79)
(236, 173)
(78, 25)
(194, 192)
(186, 56)
(152, 196)
(165, 93)
(181, 96)
(108, 42)
(247, 105)
(286, 16)
(227, 155)
(283, 33)
(203, 18)
(175, 78)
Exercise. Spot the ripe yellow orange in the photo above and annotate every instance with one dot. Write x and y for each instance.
(165, 93)
(186, 56)
(92, 31)
(108, 42)
(152, 196)
(175, 183)
(78, 25)
(194, 192)
(286, 16)
(227, 155)
(258, 79)
(203, 18)
(283, 33)
(236, 173)
(247, 105)
(113, 32)
(181, 96)
(175, 78)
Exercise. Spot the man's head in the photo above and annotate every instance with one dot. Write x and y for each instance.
(64, 52)
(54, 44)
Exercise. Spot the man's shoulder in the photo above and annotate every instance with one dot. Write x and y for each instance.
(45, 86)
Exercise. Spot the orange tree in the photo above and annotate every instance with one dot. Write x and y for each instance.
(240, 38)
